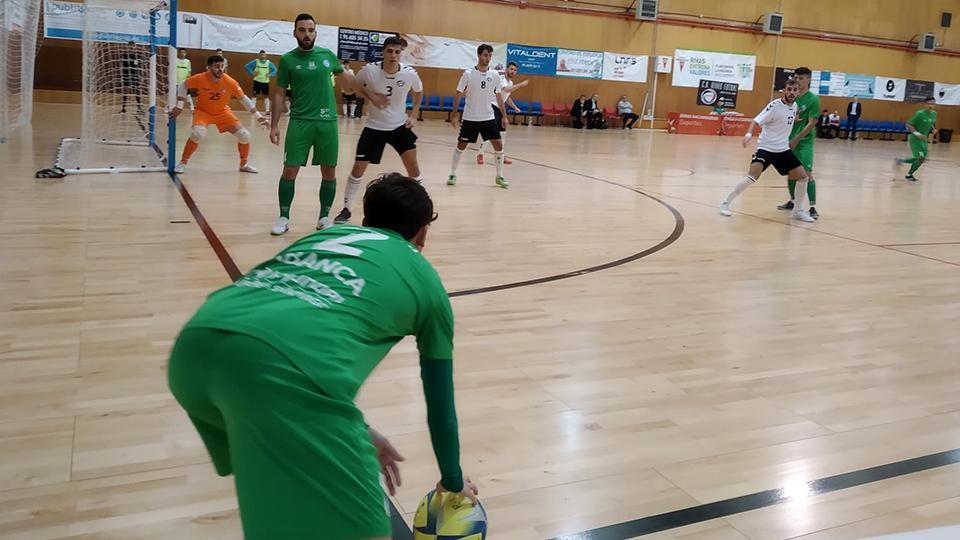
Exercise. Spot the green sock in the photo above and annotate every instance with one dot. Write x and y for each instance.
(792, 187)
(285, 191)
(914, 167)
(328, 192)
(812, 192)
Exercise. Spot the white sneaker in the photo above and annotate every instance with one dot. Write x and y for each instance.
(324, 223)
(180, 168)
(246, 167)
(802, 215)
(725, 209)
(281, 226)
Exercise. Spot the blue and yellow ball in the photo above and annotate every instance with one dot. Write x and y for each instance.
(446, 516)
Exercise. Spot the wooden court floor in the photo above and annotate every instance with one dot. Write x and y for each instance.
(718, 358)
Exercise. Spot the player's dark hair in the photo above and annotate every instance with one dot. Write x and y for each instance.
(304, 17)
(394, 40)
(514, 64)
(211, 60)
(262, 51)
(483, 48)
(398, 203)
(930, 99)
(802, 71)
(791, 82)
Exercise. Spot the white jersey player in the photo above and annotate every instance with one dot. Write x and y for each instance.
(481, 86)
(773, 148)
(390, 125)
(507, 86)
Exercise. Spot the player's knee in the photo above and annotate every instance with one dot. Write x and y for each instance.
(197, 133)
(243, 135)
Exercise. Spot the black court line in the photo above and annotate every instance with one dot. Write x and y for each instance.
(763, 499)
(920, 244)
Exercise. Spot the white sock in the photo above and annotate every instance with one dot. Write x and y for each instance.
(456, 161)
(499, 156)
(740, 188)
(344, 109)
(483, 146)
(353, 109)
(266, 105)
(418, 179)
(801, 195)
(350, 193)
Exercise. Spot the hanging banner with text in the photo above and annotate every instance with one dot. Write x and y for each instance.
(583, 64)
(533, 60)
(860, 86)
(828, 83)
(358, 45)
(918, 91)
(253, 35)
(65, 20)
(449, 53)
(690, 66)
(947, 94)
(717, 94)
(624, 67)
(889, 89)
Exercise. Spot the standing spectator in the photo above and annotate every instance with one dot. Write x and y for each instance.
(262, 70)
(349, 95)
(578, 111)
(854, 112)
(625, 110)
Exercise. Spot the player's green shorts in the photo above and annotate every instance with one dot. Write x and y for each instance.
(302, 135)
(804, 152)
(918, 146)
(304, 464)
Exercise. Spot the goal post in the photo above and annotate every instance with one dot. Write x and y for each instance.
(19, 21)
(129, 85)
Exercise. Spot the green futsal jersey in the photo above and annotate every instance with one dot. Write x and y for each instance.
(923, 121)
(335, 302)
(308, 76)
(808, 106)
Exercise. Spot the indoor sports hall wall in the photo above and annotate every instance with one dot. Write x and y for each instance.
(702, 25)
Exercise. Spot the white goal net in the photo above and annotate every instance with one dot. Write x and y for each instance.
(126, 74)
(19, 20)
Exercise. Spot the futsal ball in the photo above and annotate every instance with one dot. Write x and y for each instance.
(447, 516)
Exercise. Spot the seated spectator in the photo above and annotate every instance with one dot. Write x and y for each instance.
(578, 111)
(833, 131)
(823, 123)
(625, 110)
(594, 113)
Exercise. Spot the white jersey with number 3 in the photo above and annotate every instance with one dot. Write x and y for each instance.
(396, 86)
(480, 88)
(776, 119)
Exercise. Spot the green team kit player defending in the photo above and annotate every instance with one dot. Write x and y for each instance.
(268, 369)
(306, 71)
(801, 139)
(920, 125)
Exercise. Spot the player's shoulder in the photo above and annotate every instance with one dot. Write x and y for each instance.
(406, 68)
(229, 80)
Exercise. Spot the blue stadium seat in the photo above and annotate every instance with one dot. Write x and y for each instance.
(447, 105)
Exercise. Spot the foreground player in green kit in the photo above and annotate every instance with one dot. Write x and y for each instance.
(268, 368)
(920, 125)
(306, 72)
(802, 137)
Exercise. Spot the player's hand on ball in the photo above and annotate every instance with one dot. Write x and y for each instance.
(388, 457)
(469, 491)
(381, 101)
(275, 136)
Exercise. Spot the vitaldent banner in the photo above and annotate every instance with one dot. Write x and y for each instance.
(624, 67)
(252, 35)
(584, 64)
(690, 66)
(450, 53)
(533, 60)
